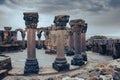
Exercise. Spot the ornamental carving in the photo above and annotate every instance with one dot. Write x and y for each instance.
(61, 21)
(31, 20)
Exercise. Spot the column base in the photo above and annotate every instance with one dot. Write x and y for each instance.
(31, 67)
(23, 47)
(50, 51)
(69, 53)
(39, 47)
(44, 47)
(84, 55)
(77, 60)
(61, 65)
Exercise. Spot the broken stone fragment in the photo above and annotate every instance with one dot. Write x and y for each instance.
(107, 71)
(93, 78)
(105, 77)
(116, 76)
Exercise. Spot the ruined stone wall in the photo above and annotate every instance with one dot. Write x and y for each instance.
(5, 66)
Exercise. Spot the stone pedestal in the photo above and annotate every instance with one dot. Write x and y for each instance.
(77, 25)
(31, 64)
(60, 63)
(77, 60)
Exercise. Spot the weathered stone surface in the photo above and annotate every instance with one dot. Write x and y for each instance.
(92, 78)
(31, 20)
(77, 60)
(69, 78)
(116, 76)
(107, 71)
(3, 73)
(61, 21)
(60, 63)
(5, 66)
(31, 64)
(5, 62)
(115, 64)
(105, 77)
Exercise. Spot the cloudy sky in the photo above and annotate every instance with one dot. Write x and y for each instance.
(102, 16)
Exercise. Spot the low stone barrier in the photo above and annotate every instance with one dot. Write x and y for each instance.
(5, 66)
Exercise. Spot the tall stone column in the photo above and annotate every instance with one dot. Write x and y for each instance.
(70, 51)
(77, 25)
(23, 39)
(39, 40)
(60, 63)
(31, 64)
(46, 38)
(71, 45)
(83, 41)
(7, 35)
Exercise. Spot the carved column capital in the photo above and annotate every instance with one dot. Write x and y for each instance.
(77, 24)
(7, 28)
(31, 20)
(84, 28)
(61, 21)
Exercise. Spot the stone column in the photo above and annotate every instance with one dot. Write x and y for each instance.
(23, 39)
(46, 38)
(77, 25)
(7, 35)
(70, 51)
(31, 64)
(83, 41)
(39, 40)
(60, 63)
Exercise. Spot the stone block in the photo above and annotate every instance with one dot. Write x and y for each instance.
(69, 53)
(31, 67)
(61, 67)
(77, 60)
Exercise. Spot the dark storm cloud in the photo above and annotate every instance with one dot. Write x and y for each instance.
(114, 3)
(99, 14)
(96, 8)
(67, 5)
(2, 1)
(56, 6)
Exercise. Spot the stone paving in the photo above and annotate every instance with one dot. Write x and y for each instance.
(45, 63)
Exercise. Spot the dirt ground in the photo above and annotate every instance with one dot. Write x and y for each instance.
(93, 60)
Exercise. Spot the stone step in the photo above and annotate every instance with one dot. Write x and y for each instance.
(3, 73)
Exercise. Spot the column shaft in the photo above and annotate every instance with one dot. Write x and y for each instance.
(77, 43)
(71, 42)
(60, 43)
(83, 44)
(31, 44)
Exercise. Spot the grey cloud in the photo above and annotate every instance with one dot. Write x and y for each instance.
(100, 15)
(56, 6)
(2, 1)
(96, 8)
(114, 3)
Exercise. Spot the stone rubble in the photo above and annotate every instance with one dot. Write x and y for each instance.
(110, 71)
